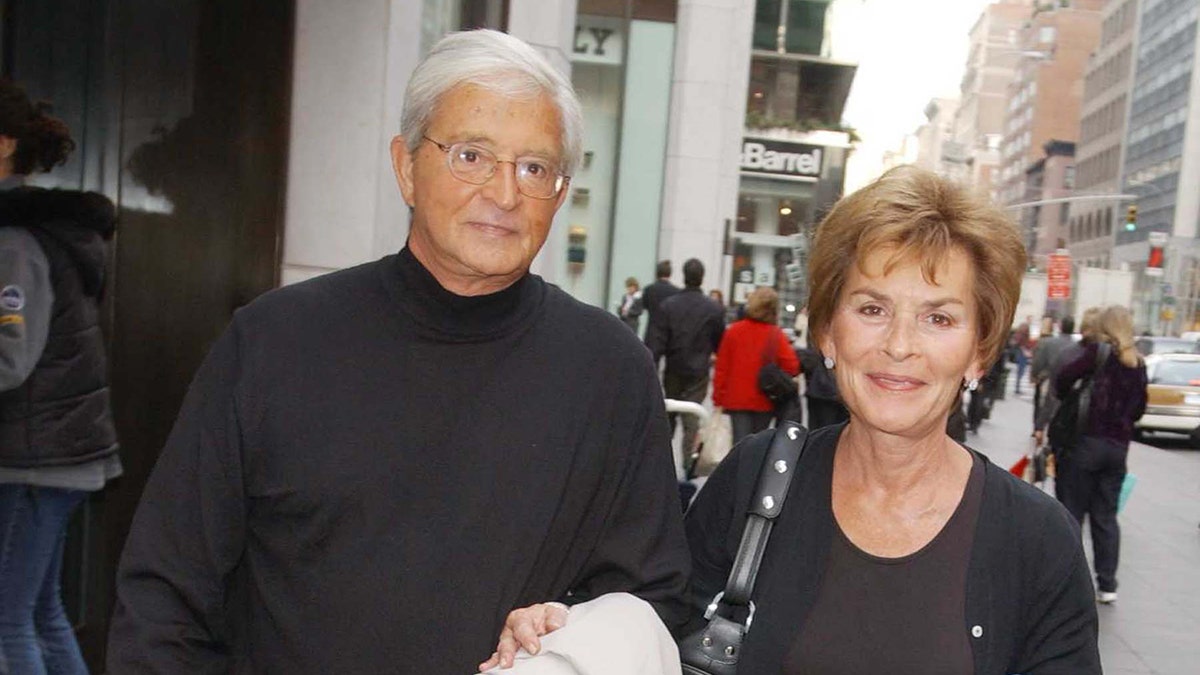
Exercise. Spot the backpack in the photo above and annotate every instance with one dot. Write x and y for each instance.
(1067, 425)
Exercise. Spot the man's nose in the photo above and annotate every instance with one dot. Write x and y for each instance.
(501, 188)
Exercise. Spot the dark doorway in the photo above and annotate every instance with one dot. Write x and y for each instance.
(180, 111)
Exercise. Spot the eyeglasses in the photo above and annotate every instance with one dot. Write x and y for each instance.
(475, 164)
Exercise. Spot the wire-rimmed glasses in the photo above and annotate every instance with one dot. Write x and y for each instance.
(475, 164)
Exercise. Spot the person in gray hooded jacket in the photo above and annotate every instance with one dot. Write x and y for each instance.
(57, 440)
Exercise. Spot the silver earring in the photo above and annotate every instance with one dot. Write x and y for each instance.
(973, 384)
(829, 362)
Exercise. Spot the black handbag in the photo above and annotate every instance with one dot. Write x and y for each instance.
(1070, 418)
(773, 382)
(716, 648)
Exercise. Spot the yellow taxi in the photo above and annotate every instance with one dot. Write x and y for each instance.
(1173, 395)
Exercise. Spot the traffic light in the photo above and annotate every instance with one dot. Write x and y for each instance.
(1131, 219)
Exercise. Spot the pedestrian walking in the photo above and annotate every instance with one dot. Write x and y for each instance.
(1089, 326)
(1090, 474)
(57, 439)
(630, 309)
(1022, 348)
(409, 465)
(687, 332)
(654, 294)
(1045, 355)
(748, 344)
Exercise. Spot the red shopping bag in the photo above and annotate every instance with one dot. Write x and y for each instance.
(1018, 469)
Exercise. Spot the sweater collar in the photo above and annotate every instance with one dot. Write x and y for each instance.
(443, 315)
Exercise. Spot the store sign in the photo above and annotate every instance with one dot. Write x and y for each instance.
(1158, 242)
(781, 158)
(1058, 277)
(598, 39)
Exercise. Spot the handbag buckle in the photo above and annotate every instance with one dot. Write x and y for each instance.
(711, 610)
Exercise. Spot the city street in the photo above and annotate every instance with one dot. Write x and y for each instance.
(1155, 625)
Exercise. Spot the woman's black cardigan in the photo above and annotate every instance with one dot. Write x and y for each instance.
(1030, 602)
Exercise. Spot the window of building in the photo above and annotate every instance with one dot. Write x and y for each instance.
(1046, 34)
(792, 26)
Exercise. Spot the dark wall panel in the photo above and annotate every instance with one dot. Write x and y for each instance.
(181, 113)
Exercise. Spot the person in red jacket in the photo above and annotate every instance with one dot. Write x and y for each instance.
(746, 346)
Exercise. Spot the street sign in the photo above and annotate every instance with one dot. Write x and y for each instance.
(1058, 277)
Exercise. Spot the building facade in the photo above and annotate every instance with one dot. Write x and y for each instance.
(793, 147)
(1049, 179)
(937, 150)
(1093, 224)
(993, 57)
(1161, 165)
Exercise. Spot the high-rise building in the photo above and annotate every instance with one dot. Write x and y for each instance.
(993, 57)
(936, 148)
(1161, 165)
(1092, 224)
(1049, 179)
(1044, 100)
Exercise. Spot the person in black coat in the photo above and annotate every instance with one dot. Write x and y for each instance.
(654, 294)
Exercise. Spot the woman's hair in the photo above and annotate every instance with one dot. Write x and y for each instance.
(499, 63)
(1089, 323)
(763, 305)
(1116, 328)
(922, 217)
(717, 295)
(42, 141)
(632, 281)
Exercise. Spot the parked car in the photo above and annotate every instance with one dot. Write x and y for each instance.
(1172, 395)
(1166, 345)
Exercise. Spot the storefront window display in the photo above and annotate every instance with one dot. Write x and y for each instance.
(785, 187)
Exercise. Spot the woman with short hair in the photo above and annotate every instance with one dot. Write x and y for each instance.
(746, 346)
(898, 549)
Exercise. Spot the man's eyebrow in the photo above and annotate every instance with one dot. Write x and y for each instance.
(883, 297)
(484, 139)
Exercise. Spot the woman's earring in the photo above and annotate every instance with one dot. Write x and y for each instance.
(829, 362)
(973, 384)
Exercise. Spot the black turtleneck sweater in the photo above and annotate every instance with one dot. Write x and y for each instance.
(370, 472)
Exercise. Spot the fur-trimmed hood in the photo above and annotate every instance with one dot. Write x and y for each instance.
(79, 221)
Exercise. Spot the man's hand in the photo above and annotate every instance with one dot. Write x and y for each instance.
(522, 629)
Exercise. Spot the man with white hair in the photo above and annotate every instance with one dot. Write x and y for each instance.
(374, 468)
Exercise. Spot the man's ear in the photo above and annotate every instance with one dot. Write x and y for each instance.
(402, 165)
(562, 195)
(8, 147)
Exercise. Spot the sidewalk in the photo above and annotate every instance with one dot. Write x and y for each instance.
(1155, 625)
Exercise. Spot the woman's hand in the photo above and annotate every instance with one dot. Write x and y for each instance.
(522, 629)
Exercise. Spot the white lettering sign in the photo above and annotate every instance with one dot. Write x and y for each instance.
(598, 40)
(756, 157)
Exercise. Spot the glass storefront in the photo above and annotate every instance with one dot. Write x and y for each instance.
(786, 186)
(620, 67)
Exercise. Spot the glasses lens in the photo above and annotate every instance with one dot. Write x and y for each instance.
(536, 178)
(472, 163)
(476, 164)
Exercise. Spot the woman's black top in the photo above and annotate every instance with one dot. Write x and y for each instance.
(917, 628)
(1028, 607)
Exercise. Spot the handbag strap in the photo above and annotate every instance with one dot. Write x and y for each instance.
(1103, 350)
(770, 346)
(770, 492)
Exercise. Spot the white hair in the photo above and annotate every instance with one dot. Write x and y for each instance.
(500, 63)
